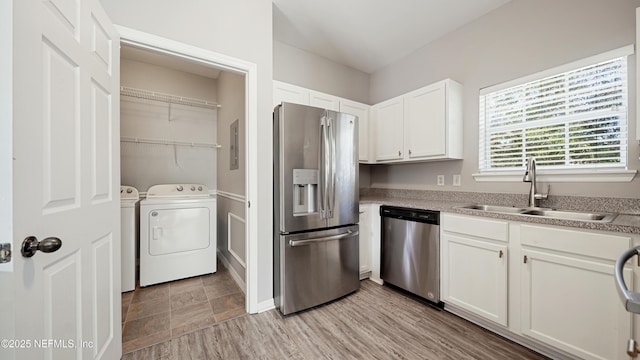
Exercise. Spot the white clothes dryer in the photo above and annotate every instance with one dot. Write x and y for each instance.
(177, 233)
(129, 235)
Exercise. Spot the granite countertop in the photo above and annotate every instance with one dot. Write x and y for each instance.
(627, 221)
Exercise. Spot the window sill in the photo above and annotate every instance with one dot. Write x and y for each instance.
(605, 176)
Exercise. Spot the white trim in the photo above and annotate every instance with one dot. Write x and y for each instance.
(238, 279)
(250, 71)
(266, 305)
(616, 53)
(233, 253)
(232, 196)
(561, 176)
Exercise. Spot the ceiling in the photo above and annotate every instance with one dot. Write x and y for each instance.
(369, 34)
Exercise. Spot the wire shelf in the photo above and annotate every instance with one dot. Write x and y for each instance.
(168, 98)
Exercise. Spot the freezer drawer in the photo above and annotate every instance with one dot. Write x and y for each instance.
(313, 268)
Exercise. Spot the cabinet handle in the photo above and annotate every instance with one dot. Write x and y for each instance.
(399, 153)
(409, 151)
(500, 254)
(525, 259)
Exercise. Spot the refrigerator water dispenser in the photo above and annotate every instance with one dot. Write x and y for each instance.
(305, 191)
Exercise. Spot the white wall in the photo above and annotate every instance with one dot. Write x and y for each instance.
(231, 183)
(231, 92)
(241, 29)
(144, 165)
(302, 68)
(520, 38)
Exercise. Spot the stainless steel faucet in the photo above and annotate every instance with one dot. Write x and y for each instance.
(530, 176)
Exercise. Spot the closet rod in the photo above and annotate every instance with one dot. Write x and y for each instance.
(167, 142)
(168, 98)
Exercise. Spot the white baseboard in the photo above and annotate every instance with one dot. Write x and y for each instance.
(266, 305)
(238, 279)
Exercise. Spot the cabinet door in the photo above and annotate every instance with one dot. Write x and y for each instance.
(571, 303)
(425, 127)
(324, 101)
(283, 92)
(474, 276)
(389, 122)
(365, 240)
(362, 112)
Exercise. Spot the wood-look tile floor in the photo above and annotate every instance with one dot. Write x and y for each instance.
(161, 312)
(374, 323)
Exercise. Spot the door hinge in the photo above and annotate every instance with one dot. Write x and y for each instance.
(248, 204)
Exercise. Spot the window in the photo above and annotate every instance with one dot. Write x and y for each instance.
(572, 118)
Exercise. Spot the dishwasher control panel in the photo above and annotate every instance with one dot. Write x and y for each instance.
(411, 214)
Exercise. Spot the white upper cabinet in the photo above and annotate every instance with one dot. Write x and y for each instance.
(364, 129)
(283, 92)
(324, 101)
(389, 123)
(422, 125)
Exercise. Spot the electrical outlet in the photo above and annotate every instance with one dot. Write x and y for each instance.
(457, 180)
(440, 180)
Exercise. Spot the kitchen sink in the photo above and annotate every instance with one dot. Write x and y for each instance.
(495, 208)
(544, 213)
(571, 215)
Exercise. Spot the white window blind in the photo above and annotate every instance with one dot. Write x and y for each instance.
(576, 119)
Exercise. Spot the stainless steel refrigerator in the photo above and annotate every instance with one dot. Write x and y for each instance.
(316, 240)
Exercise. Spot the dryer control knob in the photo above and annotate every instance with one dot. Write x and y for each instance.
(180, 188)
(193, 188)
(129, 191)
(199, 188)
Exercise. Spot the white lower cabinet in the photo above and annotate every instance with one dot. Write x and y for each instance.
(568, 294)
(474, 268)
(370, 242)
(555, 291)
(365, 241)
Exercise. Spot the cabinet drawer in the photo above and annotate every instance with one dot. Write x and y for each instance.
(476, 226)
(598, 245)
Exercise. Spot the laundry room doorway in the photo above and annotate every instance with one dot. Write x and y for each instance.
(189, 115)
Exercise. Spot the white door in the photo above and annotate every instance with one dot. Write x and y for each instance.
(425, 129)
(389, 123)
(66, 180)
(362, 112)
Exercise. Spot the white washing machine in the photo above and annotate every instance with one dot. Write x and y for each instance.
(129, 231)
(177, 233)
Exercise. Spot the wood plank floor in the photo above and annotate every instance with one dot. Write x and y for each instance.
(374, 323)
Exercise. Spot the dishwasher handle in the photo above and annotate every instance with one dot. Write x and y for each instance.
(631, 300)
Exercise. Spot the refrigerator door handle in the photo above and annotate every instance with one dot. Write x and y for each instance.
(332, 161)
(349, 233)
(323, 176)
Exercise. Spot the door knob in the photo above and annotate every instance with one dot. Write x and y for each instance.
(31, 244)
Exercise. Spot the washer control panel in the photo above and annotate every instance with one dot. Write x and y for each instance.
(178, 190)
(128, 193)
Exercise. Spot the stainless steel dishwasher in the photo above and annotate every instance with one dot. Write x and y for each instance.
(411, 250)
